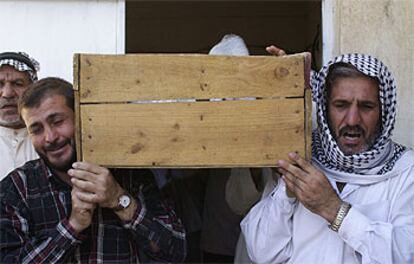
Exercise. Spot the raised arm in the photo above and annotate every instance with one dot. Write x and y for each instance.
(267, 228)
(380, 232)
(153, 223)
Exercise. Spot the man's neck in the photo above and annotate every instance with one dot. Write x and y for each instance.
(10, 128)
(11, 132)
(14, 126)
(340, 186)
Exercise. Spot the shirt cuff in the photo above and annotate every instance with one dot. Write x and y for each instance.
(138, 216)
(67, 231)
(279, 195)
(353, 227)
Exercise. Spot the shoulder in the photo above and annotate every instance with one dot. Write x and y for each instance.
(409, 153)
(406, 160)
(16, 183)
(404, 169)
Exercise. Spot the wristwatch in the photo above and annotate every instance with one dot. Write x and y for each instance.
(123, 202)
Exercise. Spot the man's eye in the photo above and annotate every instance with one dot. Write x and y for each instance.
(19, 84)
(340, 105)
(35, 131)
(368, 107)
(58, 122)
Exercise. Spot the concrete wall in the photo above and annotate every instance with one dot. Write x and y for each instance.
(385, 29)
(51, 31)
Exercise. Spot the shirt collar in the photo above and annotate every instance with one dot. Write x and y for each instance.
(10, 132)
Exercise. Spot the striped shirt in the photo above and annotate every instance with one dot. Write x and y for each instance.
(34, 211)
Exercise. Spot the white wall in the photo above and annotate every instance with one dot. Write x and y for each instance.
(385, 29)
(51, 31)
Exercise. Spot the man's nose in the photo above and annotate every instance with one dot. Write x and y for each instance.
(353, 116)
(7, 91)
(50, 135)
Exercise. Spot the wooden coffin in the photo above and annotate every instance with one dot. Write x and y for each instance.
(160, 110)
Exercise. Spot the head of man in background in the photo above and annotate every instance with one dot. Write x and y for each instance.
(17, 72)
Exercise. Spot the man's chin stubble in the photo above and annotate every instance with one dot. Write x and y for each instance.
(349, 151)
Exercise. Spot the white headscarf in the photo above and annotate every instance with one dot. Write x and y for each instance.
(381, 157)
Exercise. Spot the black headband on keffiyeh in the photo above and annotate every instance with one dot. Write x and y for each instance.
(21, 62)
(381, 157)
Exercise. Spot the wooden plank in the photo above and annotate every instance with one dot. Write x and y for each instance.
(200, 134)
(308, 106)
(78, 138)
(109, 78)
(308, 124)
(76, 71)
(78, 134)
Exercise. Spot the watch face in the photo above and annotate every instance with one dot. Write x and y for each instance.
(124, 201)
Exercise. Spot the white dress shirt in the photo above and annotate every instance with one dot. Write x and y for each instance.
(15, 149)
(379, 228)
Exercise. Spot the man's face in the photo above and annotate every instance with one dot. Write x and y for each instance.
(12, 84)
(51, 129)
(354, 114)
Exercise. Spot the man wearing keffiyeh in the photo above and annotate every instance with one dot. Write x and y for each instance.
(354, 201)
(17, 72)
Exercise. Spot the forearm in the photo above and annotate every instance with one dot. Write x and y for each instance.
(268, 228)
(53, 246)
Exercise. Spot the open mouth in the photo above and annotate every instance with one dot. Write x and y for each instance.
(55, 147)
(352, 135)
(352, 139)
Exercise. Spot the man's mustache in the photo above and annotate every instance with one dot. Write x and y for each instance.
(5, 102)
(55, 145)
